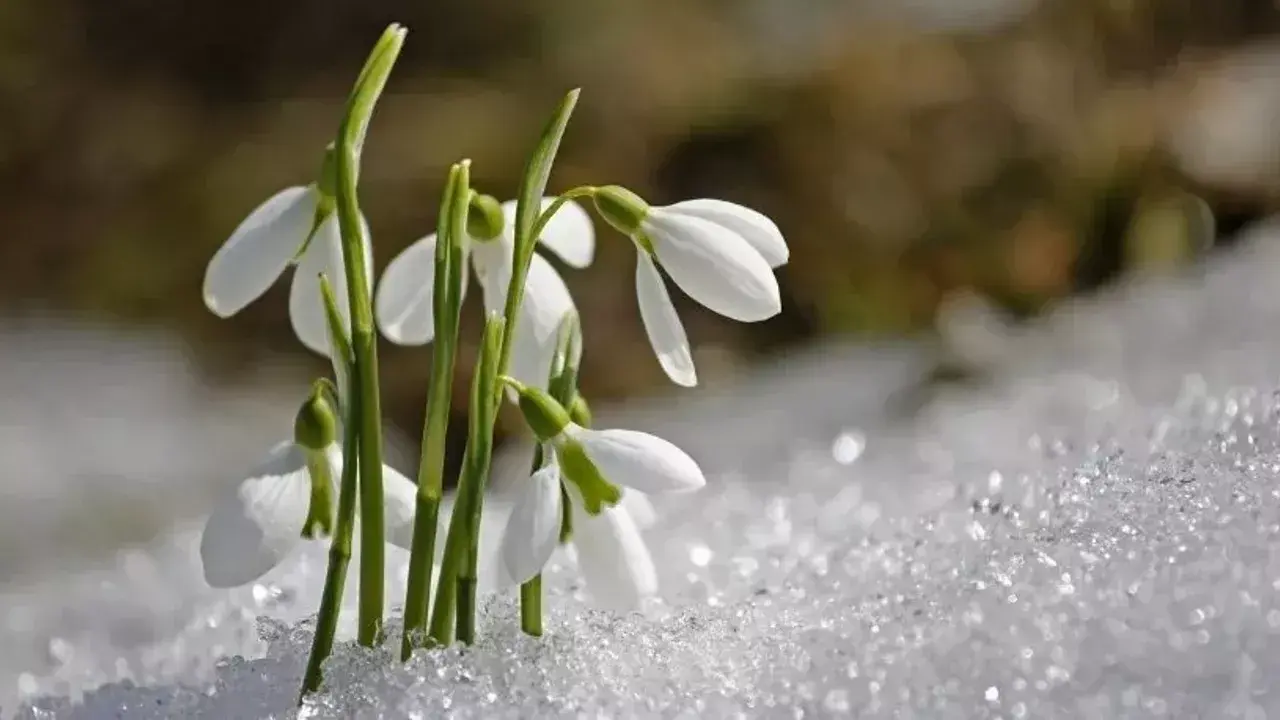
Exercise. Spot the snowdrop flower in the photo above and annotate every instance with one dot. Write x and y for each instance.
(578, 497)
(719, 253)
(290, 496)
(404, 296)
(296, 226)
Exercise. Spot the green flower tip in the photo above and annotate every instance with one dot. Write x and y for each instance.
(621, 208)
(597, 492)
(545, 417)
(484, 217)
(315, 427)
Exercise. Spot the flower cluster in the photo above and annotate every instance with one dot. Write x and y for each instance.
(588, 488)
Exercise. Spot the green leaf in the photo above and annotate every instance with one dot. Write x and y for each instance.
(370, 84)
(534, 184)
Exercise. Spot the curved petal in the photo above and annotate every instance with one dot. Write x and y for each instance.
(252, 529)
(714, 266)
(533, 530)
(546, 301)
(569, 233)
(639, 460)
(662, 324)
(754, 227)
(639, 507)
(306, 308)
(399, 503)
(404, 303)
(612, 557)
(258, 251)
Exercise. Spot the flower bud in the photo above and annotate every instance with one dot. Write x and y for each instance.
(621, 208)
(484, 217)
(314, 427)
(545, 417)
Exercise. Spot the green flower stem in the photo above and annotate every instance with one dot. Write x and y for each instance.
(450, 266)
(563, 386)
(350, 142)
(455, 592)
(528, 205)
(340, 547)
(561, 199)
(484, 415)
(531, 606)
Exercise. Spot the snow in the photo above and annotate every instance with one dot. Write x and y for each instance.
(1092, 532)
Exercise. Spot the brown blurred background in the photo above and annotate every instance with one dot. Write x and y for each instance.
(909, 149)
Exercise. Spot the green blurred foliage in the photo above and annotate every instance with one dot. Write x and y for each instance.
(1022, 160)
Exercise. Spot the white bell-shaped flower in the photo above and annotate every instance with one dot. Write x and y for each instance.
(256, 525)
(611, 554)
(596, 470)
(719, 253)
(273, 237)
(404, 297)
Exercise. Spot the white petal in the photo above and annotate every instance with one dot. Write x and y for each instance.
(754, 227)
(613, 559)
(639, 460)
(569, 233)
(404, 297)
(399, 503)
(306, 308)
(533, 531)
(253, 528)
(714, 266)
(639, 507)
(492, 261)
(546, 301)
(662, 324)
(258, 251)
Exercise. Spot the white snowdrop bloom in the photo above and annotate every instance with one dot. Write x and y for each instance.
(610, 552)
(292, 495)
(273, 237)
(719, 253)
(404, 297)
(596, 470)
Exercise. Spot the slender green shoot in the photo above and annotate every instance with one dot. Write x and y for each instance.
(447, 304)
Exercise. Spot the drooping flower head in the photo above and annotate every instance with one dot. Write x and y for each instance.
(578, 497)
(719, 253)
(289, 497)
(297, 226)
(403, 302)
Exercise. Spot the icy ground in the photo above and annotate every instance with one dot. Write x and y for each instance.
(1095, 533)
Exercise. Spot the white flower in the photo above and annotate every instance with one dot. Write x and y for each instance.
(266, 243)
(605, 532)
(719, 253)
(404, 295)
(254, 527)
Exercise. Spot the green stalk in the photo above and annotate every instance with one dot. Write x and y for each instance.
(458, 574)
(447, 302)
(528, 204)
(531, 606)
(562, 385)
(340, 547)
(350, 142)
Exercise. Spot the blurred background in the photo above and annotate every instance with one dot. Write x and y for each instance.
(914, 152)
